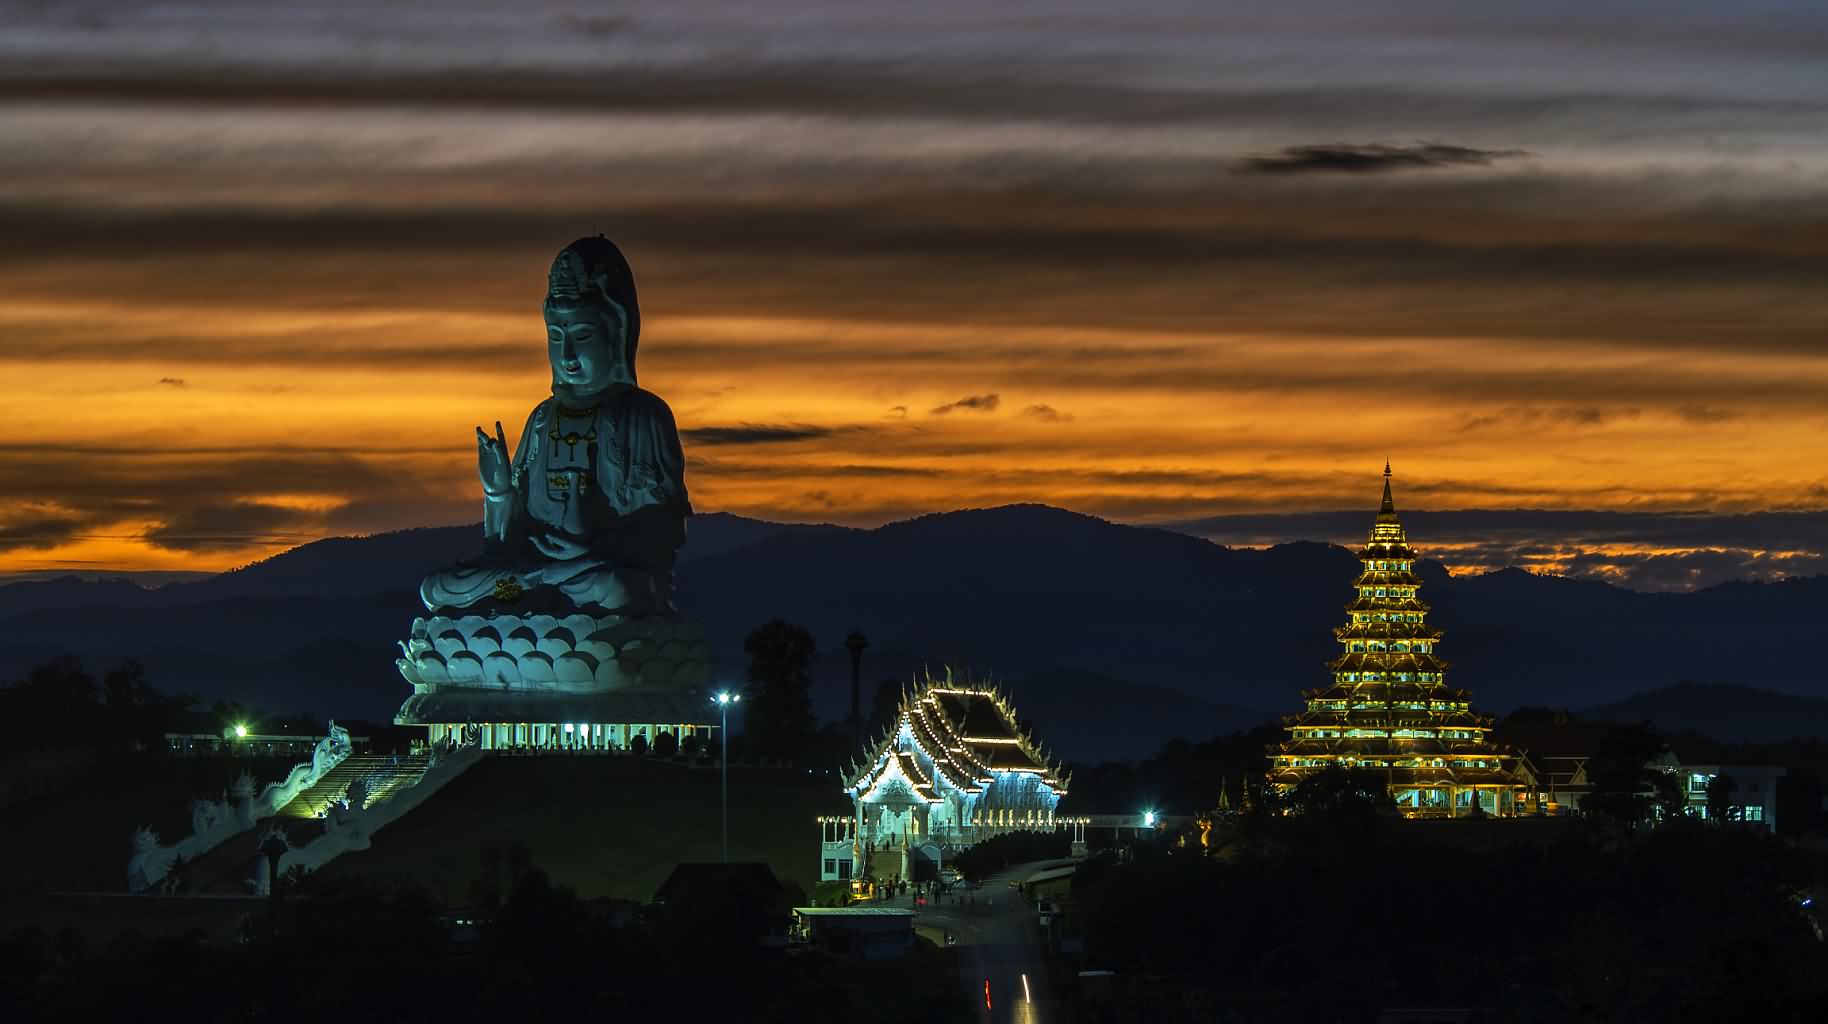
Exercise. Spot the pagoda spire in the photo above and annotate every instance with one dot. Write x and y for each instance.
(1389, 506)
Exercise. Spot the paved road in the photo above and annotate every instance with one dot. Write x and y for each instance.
(999, 945)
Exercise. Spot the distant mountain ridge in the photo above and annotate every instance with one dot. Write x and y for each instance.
(1722, 711)
(336, 567)
(1117, 634)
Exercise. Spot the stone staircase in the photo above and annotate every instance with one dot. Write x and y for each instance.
(229, 868)
(384, 772)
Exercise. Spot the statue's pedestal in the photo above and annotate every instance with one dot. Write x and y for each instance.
(532, 669)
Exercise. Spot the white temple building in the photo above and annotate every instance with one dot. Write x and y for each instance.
(955, 769)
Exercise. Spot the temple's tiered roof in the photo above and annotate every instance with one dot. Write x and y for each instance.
(1389, 707)
(968, 732)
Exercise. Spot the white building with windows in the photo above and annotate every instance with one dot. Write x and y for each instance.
(1751, 790)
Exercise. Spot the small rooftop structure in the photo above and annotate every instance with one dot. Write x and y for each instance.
(865, 933)
(743, 901)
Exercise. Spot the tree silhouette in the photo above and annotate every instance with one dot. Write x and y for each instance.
(883, 707)
(67, 709)
(1337, 790)
(1720, 797)
(780, 719)
(1628, 785)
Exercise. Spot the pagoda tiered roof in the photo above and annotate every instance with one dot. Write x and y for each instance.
(1389, 707)
(969, 734)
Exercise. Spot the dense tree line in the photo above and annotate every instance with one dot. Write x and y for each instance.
(525, 949)
(1336, 915)
(59, 704)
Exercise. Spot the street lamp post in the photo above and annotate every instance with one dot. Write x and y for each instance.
(723, 701)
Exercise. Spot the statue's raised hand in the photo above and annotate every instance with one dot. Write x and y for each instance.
(492, 460)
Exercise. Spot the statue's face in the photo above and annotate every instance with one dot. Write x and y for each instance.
(584, 344)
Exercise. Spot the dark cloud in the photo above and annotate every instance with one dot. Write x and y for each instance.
(1047, 413)
(970, 403)
(594, 24)
(235, 526)
(1359, 159)
(38, 531)
(833, 84)
(1701, 414)
(1568, 415)
(755, 433)
(1364, 267)
(176, 382)
(776, 471)
(210, 499)
(898, 411)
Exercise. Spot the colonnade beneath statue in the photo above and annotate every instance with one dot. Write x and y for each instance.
(581, 737)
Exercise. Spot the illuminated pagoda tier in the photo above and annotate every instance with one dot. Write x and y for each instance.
(955, 769)
(1390, 709)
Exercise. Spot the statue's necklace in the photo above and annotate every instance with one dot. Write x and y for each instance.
(571, 438)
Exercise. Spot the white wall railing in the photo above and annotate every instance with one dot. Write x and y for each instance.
(214, 822)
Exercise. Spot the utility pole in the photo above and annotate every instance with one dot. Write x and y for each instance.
(855, 643)
(723, 701)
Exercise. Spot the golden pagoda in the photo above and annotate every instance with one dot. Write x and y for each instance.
(1389, 708)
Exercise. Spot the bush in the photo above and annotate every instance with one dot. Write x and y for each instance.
(993, 855)
(666, 745)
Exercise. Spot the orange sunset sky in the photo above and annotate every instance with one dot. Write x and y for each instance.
(1183, 264)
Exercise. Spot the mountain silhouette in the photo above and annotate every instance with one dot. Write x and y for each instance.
(1721, 711)
(1113, 636)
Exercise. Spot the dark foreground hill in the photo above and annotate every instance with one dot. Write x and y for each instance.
(604, 826)
(1111, 637)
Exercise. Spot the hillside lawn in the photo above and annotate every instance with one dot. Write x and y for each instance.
(603, 826)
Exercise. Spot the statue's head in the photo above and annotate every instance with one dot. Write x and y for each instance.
(592, 319)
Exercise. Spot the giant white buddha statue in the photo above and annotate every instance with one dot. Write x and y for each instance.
(590, 510)
(566, 618)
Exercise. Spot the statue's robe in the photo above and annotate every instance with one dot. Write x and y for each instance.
(605, 489)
